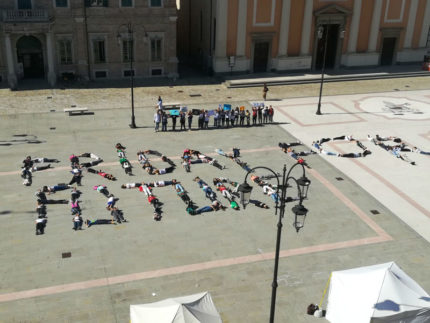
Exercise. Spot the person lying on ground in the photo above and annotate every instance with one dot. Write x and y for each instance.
(203, 158)
(55, 188)
(101, 189)
(154, 201)
(125, 164)
(90, 155)
(102, 174)
(145, 189)
(111, 202)
(285, 145)
(141, 157)
(162, 183)
(41, 197)
(168, 160)
(45, 160)
(74, 161)
(27, 176)
(91, 163)
(131, 185)
(395, 150)
(269, 190)
(77, 222)
(41, 208)
(153, 152)
(77, 176)
(75, 194)
(41, 222)
(259, 204)
(209, 193)
(117, 215)
(75, 208)
(182, 194)
(215, 206)
(90, 223)
(161, 171)
(119, 146)
(389, 138)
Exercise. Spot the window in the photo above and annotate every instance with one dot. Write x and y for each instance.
(126, 3)
(65, 49)
(127, 50)
(99, 51)
(155, 3)
(61, 3)
(96, 3)
(128, 73)
(156, 54)
(24, 4)
(100, 74)
(156, 72)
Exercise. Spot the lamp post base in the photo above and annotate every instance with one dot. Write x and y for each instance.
(132, 124)
(319, 110)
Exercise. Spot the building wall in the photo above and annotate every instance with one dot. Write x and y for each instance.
(291, 28)
(101, 23)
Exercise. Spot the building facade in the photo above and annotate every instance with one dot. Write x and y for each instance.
(88, 39)
(287, 35)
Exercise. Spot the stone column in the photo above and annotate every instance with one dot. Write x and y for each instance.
(285, 28)
(11, 76)
(353, 30)
(220, 63)
(52, 78)
(425, 27)
(374, 28)
(306, 28)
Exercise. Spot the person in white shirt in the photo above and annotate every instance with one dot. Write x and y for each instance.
(131, 185)
(41, 224)
(157, 120)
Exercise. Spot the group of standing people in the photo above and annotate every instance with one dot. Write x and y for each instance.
(259, 114)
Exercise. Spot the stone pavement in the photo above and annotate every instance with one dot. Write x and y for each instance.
(228, 253)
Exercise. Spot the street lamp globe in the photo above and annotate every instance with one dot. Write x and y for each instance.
(299, 216)
(304, 184)
(244, 190)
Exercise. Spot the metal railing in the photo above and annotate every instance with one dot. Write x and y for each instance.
(27, 15)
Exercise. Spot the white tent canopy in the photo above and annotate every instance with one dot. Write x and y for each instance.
(197, 308)
(377, 294)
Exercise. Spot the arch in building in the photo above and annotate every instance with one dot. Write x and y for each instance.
(30, 57)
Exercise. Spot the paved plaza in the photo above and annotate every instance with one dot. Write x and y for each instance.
(362, 211)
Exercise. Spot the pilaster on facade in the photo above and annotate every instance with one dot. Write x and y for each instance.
(306, 28)
(11, 76)
(374, 27)
(52, 78)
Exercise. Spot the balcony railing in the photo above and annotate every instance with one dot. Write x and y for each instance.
(28, 15)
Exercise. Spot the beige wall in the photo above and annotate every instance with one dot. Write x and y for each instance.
(106, 23)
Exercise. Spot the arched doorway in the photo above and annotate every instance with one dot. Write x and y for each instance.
(30, 55)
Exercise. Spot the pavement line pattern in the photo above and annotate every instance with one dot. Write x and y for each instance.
(382, 236)
(282, 108)
(54, 169)
(392, 187)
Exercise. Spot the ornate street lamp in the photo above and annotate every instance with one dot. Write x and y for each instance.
(302, 185)
(245, 193)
